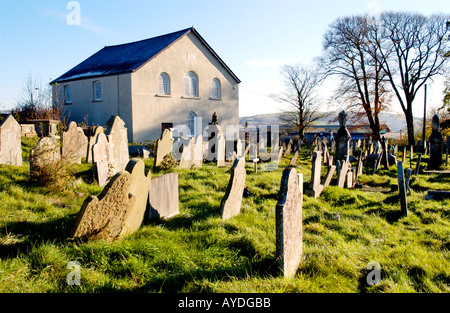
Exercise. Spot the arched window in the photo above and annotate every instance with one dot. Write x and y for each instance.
(215, 88)
(163, 84)
(190, 85)
(67, 94)
(191, 118)
(97, 91)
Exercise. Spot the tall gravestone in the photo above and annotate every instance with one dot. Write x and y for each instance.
(187, 155)
(402, 188)
(343, 138)
(231, 202)
(315, 188)
(100, 159)
(330, 173)
(10, 142)
(197, 156)
(118, 145)
(436, 143)
(288, 221)
(92, 140)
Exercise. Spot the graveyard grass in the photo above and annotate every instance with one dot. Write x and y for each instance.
(197, 251)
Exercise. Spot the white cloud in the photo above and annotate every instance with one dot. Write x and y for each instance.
(270, 62)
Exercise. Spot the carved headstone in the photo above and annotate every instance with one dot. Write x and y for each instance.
(288, 220)
(231, 202)
(118, 146)
(10, 142)
(119, 210)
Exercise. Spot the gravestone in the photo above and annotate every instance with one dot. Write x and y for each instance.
(118, 145)
(27, 130)
(197, 157)
(294, 159)
(73, 144)
(231, 202)
(288, 221)
(45, 154)
(359, 168)
(385, 154)
(91, 143)
(10, 142)
(342, 170)
(407, 180)
(436, 142)
(187, 155)
(402, 189)
(220, 150)
(330, 173)
(404, 155)
(163, 199)
(101, 172)
(213, 132)
(419, 158)
(163, 146)
(280, 154)
(100, 159)
(315, 188)
(349, 179)
(343, 138)
(119, 209)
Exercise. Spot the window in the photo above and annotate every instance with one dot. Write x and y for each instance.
(67, 94)
(191, 119)
(215, 89)
(190, 85)
(97, 91)
(163, 84)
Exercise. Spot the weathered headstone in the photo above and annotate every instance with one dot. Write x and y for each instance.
(197, 157)
(118, 146)
(294, 159)
(359, 168)
(407, 179)
(187, 155)
(163, 146)
(349, 180)
(436, 142)
(119, 210)
(315, 188)
(280, 154)
(73, 144)
(288, 220)
(101, 172)
(231, 202)
(45, 154)
(342, 169)
(343, 138)
(163, 199)
(385, 154)
(330, 173)
(91, 143)
(10, 142)
(419, 158)
(402, 189)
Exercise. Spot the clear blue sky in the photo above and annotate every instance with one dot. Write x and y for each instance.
(253, 37)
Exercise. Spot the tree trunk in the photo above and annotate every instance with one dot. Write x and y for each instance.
(410, 126)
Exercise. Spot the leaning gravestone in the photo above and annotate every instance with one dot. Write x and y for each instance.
(73, 144)
(163, 146)
(163, 196)
(342, 170)
(119, 210)
(288, 221)
(343, 138)
(118, 145)
(10, 142)
(294, 159)
(436, 142)
(44, 155)
(330, 173)
(402, 189)
(231, 202)
(315, 188)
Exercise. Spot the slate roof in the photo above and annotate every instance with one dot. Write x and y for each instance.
(125, 58)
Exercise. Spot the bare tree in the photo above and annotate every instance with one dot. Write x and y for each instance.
(411, 52)
(33, 96)
(299, 96)
(348, 54)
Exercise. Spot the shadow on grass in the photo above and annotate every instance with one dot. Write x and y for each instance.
(391, 216)
(55, 231)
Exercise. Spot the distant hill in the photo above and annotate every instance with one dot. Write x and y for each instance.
(395, 122)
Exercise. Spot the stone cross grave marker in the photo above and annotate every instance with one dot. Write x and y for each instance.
(10, 142)
(288, 221)
(231, 202)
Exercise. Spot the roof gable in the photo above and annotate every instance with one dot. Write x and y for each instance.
(125, 58)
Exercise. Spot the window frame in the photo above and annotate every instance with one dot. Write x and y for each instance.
(191, 90)
(216, 86)
(94, 84)
(163, 84)
(67, 100)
